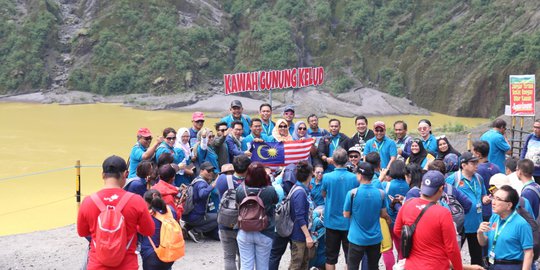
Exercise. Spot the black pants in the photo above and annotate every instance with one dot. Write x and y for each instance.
(475, 250)
(335, 238)
(356, 253)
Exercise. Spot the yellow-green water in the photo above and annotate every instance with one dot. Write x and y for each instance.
(37, 137)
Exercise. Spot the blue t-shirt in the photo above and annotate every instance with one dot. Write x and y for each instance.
(365, 228)
(475, 190)
(321, 132)
(430, 144)
(336, 184)
(393, 188)
(386, 148)
(497, 147)
(316, 193)
(487, 170)
(178, 154)
(514, 237)
(246, 121)
(135, 157)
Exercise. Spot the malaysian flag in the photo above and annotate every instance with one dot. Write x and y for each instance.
(277, 154)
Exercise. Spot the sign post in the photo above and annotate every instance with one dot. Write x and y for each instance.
(522, 104)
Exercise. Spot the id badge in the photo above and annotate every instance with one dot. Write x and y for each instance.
(478, 208)
(491, 258)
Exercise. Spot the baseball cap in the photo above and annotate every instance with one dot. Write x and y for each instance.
(288, 108)
(114, 164)
(225, 168)
(236, 103)
(499, 180)
(197, 116)
(205, 166)
(466, 157)
(379, 124)
(354, 149)
(145, 132)
(431, 182)
(365, 169)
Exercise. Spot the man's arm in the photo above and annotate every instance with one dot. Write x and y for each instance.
(152, 150)
(527, 259)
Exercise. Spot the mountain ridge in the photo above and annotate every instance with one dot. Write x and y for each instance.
(449, 56)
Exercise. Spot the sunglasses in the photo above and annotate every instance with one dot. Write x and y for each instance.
(302, 128)
(211, 136)
(282, 126)
(170, 138)
(354, 156)
(440, 137)
(318, 172)
(147, 138)
(199, 121)
(222, 130)
(422, 128)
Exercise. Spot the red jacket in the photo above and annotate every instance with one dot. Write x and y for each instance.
(168, 194)
(136, 217)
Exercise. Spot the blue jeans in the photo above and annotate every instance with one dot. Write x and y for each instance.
(254, 250)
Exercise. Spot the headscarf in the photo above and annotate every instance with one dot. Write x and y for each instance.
(451, 150)
(275, 132)
(184, 146)
(295, 135)
(419, 157)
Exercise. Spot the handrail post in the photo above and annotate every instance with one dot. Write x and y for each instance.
(78, 181)
(469, 142)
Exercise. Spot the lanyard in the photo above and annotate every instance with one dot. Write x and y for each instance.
(266, 129)
(427, 142)
(379, 147)
(335, 143)
(497, 232)
(469, 185)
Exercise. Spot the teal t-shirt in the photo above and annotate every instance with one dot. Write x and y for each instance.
(336, 184)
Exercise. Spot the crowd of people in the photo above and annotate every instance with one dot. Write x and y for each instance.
(363, 195)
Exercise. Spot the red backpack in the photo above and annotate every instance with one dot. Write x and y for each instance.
(110, 243)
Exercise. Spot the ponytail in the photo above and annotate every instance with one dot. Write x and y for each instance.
(154, 201)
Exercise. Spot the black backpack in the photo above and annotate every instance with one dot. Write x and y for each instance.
(228, 208)
(407, 232)
(457, 210)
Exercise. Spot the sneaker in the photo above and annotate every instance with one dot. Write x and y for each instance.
(194, 236)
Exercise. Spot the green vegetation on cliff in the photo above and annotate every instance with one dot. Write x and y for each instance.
(449, 56)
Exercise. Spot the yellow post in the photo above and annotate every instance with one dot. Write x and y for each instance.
(469, 142)
(78, 181)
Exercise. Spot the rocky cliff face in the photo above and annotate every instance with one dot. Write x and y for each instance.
(449, 56)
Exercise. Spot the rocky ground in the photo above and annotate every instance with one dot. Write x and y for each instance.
(361, 101)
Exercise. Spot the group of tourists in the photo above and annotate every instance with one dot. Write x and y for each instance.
(367, 194)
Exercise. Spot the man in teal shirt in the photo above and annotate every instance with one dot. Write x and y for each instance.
(498, 144)
(385, 146)
(237, 115)
(141, 150)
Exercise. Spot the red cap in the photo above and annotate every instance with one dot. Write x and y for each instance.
(145, 132)
(197, 116)
(379, 124)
